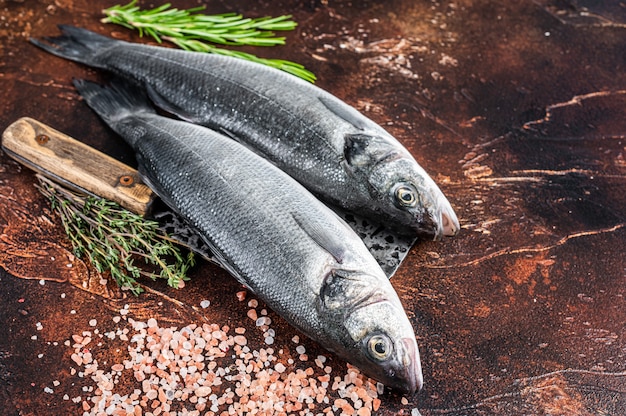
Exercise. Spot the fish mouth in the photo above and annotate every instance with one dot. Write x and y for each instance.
(413, 367)
(448, 223)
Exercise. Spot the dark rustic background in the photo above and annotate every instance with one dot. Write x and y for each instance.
(516, 108)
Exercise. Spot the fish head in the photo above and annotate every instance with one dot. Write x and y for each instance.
(371, 329)
(404, 196)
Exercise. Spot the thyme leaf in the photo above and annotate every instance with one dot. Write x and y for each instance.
(112, 238)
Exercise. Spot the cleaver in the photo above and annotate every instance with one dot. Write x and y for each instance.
(82, 168)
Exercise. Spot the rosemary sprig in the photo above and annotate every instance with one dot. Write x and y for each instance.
(113, 238)
(193, 31)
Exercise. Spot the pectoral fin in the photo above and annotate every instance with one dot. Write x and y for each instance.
(315, 230)
(168, 106)
(345, 112)
(388, 248)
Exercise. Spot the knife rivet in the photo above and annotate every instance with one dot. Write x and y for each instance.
(42, 139)
(126, 180)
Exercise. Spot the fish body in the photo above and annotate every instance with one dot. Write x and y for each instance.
(340, 155)
(272, 234)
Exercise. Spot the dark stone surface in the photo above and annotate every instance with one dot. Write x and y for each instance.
(515, 108)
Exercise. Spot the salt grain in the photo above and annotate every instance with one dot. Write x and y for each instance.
(252, 314)
(240, 340)
(205, 304)
(178, 370)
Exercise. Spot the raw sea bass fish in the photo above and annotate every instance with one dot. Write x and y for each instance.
(333, 150)
(272, 234)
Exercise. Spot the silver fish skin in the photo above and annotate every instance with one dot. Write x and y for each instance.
(336, 152)
(273, 235)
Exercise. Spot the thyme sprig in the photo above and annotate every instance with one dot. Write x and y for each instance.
(190, 30)
(112, 238)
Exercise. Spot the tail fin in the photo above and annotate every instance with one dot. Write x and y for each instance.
(115, 103)
(76, 44)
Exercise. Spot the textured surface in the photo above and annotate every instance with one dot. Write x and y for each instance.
(515, 108)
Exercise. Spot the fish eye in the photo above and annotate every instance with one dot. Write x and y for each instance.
(379, 347)
(406, 196)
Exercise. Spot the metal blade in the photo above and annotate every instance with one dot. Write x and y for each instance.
(388, 248)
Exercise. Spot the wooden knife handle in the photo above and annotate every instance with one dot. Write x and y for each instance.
(74, 164)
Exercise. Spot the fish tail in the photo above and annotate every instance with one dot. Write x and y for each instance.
(76, 44)
(115, 102)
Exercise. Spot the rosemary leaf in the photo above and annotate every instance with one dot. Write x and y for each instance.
(193, 31)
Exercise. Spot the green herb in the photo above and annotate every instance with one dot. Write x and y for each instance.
(193, 31)
(113, 238)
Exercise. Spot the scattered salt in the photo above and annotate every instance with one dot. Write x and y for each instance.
(178, 369)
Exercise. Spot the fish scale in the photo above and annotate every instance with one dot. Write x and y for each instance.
(271, 234)
(328, 146)
(239, 174)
